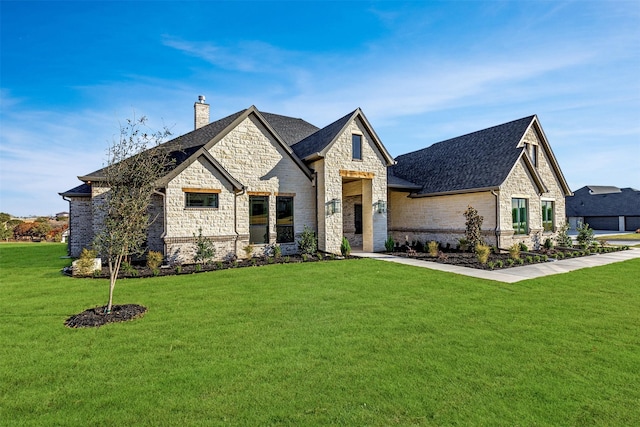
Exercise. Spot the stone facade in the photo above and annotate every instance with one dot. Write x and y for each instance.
(438, 218)
(338, 172)
(80, 225)
(252, 156)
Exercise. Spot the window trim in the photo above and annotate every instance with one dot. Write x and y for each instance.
(553, 215)
(517, 230)
(353, 145)
(291, 226)
(202, 192)
(267, 237)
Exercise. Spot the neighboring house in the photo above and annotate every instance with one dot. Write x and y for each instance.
(259, 178)
(507, 172)
(605, 208)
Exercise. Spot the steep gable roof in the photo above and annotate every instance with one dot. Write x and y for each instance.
(480, 160)
(586, 202)
(318, 143)
(187, 148)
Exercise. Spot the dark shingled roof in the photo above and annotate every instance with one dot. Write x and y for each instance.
(481, 159)
(291, 130)
(79, 191)
(586, 202)
(317, 141)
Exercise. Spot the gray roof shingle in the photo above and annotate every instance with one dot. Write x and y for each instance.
(481, 159)
(317, 141)
(586, 202)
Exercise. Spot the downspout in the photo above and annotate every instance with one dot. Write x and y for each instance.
(242, 191)
(497, 230)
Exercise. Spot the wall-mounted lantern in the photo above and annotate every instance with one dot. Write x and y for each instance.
(380, 206)
(334, 206)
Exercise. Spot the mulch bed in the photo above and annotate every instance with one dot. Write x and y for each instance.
(96, 317)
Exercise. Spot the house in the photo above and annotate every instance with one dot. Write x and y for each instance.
(604, 208)
(256, 178)
(260, 178)
(507, 172)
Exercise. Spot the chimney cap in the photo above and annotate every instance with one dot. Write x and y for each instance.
(201, 99)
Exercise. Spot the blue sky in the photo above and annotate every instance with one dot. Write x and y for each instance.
(422, 72)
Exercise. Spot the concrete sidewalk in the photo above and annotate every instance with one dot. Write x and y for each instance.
(514, 274)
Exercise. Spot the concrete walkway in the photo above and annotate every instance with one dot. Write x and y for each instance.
(513, 274)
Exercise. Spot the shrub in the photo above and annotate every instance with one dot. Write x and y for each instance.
(473, 223)
(178, 269)
(320, 256)
(85, 265)
(464, 244)
(433, 248)
(389, 244)
(514, 251)
(204, 251)
(305, 257)
(154, 259)
(491, 265)
(308, 244)
(545, 258)
(585, 236)
(548, 243)
(523, 247)
(529, 259)
(560, 255)
(537, 258)
(277, 251)
(248, 250)
(129, 269)
(563, 239)
(286, 259)
(575, 254)
(520, 261)
(499, 263)
(482, 252)
(510, 261)
(345, 247)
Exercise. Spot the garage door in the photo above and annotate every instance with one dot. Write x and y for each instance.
(602, 222)
(632, 223)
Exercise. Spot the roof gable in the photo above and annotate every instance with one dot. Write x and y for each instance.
(478, 160)
(317, 144)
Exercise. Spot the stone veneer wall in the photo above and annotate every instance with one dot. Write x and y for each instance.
(439, 218)
(330, 186)
(519, 184)
(253, 157)
(80, 225)
(348, 217)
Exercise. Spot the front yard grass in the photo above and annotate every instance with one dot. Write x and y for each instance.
(358, 342)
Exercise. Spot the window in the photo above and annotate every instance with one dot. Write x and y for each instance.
(358, 218)
(519, 215)
(258, 219)
(284, 219)
(547, 215)
(356, 147)
(201, 200)
(533, 153)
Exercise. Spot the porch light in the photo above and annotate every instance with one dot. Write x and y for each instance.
(334, 206)
(380, 206)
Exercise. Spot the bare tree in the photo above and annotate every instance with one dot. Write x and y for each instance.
(130, 181)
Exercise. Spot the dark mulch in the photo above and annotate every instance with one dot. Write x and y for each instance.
(96, 317)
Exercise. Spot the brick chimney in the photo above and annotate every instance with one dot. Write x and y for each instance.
(201, 113)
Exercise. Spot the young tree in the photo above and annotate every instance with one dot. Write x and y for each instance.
(130, 180)
(473, 232)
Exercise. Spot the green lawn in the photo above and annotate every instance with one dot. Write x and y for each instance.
(358, 342)
(625, 236)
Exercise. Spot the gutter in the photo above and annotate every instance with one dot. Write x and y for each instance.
(242, 191)
(497, 230)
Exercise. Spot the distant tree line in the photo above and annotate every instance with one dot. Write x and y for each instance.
(40, 229)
